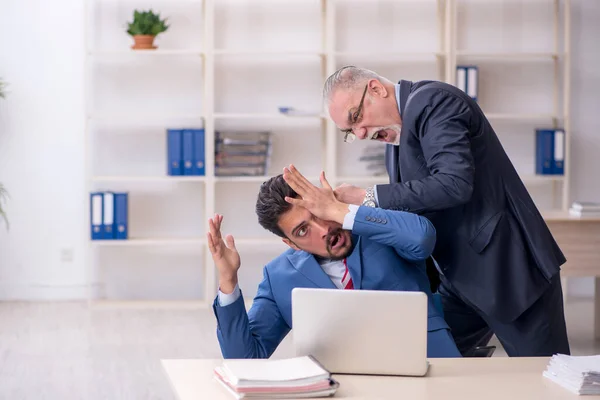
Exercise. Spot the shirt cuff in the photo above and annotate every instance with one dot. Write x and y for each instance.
(349, 218)
(375, 194)
(227, 299)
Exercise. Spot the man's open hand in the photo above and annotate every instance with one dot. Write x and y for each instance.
(321, 202)
(225, 256)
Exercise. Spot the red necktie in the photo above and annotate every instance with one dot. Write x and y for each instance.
(347, 279)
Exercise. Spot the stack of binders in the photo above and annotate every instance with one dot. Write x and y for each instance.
(467, 80)
(550, 151)
(242, 153)
(185, 152)
(109, 215)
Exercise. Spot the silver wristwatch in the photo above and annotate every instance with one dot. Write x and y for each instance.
(369, 200)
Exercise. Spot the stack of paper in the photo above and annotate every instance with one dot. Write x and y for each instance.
(298, 377)
(581, 375)
(585, 209)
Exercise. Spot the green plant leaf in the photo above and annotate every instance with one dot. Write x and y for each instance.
(146, 23)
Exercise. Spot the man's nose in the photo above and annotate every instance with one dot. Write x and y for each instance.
(322, 227)
(361, 133)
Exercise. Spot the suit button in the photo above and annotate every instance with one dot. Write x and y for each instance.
(379, 220)
(384, 221)
(368, 218)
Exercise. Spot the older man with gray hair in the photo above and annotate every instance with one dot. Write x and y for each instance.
(497, 261)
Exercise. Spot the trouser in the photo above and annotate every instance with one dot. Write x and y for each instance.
(441, 345)
(540, 331)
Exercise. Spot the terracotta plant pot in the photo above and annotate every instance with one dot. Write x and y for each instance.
(143, 42)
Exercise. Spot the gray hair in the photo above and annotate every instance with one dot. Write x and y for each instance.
(348, 77)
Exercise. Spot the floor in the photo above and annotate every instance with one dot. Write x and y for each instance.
(66, 351)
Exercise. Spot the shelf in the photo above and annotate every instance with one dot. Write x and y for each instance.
(542, 178)
(258, 241)
(142, 117)
(391, 56)
(160, 179)
(560, 215)
(266, 116)
(267, 53)
(252, 179)
(146, 53)
(242, 179)
(512, 56)
(521, 117)
(150, 242)
(148, 304)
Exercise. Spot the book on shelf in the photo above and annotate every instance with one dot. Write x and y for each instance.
(185, 152)
(467, 80)
(109, 215)
(297, 377)
(550, 151)
(579, 374)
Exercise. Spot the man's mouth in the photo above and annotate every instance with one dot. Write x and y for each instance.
(337, 242)
(380, 135)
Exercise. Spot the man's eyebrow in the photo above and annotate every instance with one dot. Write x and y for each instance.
(350, 113)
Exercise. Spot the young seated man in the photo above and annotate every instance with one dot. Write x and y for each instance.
(332, 245)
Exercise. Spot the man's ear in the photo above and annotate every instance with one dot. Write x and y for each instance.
(377, 88)
(290, 243)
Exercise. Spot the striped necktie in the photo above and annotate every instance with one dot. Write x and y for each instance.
(347, 279)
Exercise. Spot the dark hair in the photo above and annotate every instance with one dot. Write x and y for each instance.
(271, 204)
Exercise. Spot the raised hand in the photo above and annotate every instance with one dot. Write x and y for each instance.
(350, 194)
(321, 202)
(224, 254)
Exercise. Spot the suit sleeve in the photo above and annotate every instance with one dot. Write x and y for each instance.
(443, 131)
(412, 236)
(255, 334)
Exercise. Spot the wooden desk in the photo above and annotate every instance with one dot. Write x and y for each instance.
(579, 239)
(493, 378)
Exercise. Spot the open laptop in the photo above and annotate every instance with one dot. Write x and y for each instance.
(367, 332)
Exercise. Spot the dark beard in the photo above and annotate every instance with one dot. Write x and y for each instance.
(328, 238)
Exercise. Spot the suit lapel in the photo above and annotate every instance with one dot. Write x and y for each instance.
(392, 153)
(405, 87)
(308, 266)
(393, 162)
(354, 263)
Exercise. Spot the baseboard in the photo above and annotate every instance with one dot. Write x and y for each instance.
(32, 292)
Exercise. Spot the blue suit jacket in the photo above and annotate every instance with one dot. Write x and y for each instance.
(390, 248)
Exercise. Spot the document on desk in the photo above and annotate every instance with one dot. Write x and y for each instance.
(580, 375)
(297, 377)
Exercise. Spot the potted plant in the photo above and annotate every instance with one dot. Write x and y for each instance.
(145, 27)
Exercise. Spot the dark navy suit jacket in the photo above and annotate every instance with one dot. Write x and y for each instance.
(493, 244)
(390, 248)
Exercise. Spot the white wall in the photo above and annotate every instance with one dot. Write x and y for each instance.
(41, 142)
(42, 130)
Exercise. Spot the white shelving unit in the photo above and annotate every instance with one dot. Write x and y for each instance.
(229, 64)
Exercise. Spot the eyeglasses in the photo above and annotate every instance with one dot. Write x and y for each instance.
(349, 135)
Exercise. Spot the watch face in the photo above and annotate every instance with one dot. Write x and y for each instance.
(369, 203)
